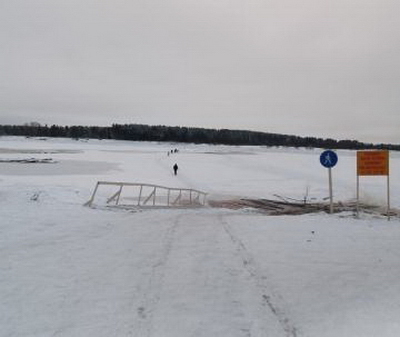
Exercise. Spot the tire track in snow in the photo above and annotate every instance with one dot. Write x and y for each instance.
(200, 288)
(145, 311)
(224, 285)
(269, 298)
(207, 298)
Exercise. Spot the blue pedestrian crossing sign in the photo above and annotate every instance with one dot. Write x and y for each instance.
(328, 158)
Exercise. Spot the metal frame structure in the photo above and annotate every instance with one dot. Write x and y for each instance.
(150, 195)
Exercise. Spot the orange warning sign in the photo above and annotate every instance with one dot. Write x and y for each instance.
(373, 163)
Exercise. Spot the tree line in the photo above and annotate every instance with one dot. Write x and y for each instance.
(161, 133)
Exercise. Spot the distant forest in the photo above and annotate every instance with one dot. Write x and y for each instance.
(160, 133)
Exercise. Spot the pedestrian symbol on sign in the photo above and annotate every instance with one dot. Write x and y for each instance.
(328, 159)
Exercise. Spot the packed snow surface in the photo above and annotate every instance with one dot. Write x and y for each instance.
(71, 270)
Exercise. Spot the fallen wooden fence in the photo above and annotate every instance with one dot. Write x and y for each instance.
(280, 207)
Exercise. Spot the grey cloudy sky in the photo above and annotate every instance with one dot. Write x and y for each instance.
(320, 68)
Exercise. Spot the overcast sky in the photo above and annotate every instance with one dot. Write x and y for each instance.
(319, 68)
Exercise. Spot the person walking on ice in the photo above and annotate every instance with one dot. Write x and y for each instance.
(175, 167)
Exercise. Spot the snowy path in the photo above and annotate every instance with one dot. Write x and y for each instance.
(204, 267)
(134, 276)
(196, 273)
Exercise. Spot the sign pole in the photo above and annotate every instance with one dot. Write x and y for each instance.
(358, 197)
(330, 190)
(388, 198)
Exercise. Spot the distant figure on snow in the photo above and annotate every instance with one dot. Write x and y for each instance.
(175, 167)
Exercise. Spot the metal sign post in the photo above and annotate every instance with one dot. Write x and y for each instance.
(329, 159)
(388, 197)
(330, 190)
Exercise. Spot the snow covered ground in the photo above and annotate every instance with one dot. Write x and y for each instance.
(70, 270)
